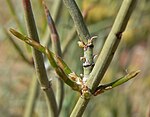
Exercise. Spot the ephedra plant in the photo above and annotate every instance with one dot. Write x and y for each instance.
(87, 85)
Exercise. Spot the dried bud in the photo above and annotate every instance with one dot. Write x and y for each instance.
(81, 44)
(109, 87)
(83, 59)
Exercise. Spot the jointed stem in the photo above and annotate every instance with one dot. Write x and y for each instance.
(61, 68)
(107, 53)
(38, 60)
(111, 43)
(83, 33)
(87, 87)
(85, 37)
(57, 50)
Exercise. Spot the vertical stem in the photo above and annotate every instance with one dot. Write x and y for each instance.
(39, 62)
(57, 50)
(83, 33)
(85, 37)
(107, 53)
(78, 20)
(80, 107)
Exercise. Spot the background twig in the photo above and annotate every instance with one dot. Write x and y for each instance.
(38, 60)
(57, 51)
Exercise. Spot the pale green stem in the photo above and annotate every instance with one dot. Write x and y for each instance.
(106, 54)
(39, 62)
(104, 87)
(56, 62)
(19, 50)
(57, 50)
(83, 33)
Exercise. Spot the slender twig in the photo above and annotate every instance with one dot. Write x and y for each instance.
(78, 20)
(33, 92)
(30, 104)
(56, 10)
(72, 32)
(61, 68)
(105, 87)
(54, 33)
(38, 60)
(106, 54)
(57, 50)
(84, 35)
(18, 49)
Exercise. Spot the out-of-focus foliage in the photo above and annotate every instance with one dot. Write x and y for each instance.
(98, 10)
(129, 100)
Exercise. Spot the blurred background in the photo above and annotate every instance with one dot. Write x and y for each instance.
(16, 71)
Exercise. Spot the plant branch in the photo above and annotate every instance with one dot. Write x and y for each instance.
(106, 54)
(105, 87)
(84, 35)
(111, 43)
(38, 60)
(18, 49)
(78, 20)
(56, 12)
(57, 63)
(57, 50)
(54, 34)
(72, 33)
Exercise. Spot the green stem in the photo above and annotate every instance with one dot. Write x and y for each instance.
(104, 87)
(78, 20)
(84, 36)
(83, 33)
(107, 53)
(19, 50)
(56, 62)
(39, 62)
(57, 50)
